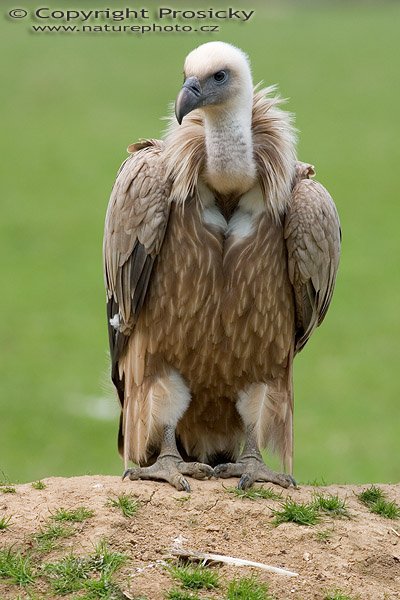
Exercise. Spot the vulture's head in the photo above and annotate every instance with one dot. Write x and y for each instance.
(217, 78)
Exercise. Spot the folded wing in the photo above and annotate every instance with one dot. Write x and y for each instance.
(136, 221)
(312, 233)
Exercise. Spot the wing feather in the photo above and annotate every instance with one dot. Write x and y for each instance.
(136, 221)
(312, 233)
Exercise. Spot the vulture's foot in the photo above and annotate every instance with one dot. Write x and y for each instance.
(171, 468)
(251, 469)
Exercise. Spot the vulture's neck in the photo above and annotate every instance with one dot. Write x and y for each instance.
(230, 167)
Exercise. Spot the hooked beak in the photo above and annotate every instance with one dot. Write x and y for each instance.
(189, 98)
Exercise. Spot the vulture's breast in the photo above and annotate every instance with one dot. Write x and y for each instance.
(220, 305)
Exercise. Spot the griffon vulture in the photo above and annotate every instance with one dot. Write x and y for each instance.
(220, 257)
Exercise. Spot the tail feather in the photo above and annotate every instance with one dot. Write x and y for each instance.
(160, 400)
(268, 409)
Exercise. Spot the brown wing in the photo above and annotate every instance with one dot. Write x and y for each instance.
(312, 233)
(136, 221)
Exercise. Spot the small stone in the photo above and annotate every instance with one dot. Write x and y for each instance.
(146, 556)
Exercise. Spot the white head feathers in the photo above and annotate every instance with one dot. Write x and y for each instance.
(214, 56)
(229, 136)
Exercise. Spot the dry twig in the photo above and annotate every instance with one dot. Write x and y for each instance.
(230, 560)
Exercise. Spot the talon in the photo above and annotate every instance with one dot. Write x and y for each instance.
(186, 486)
(125, 474)
(251, 469)
(181, 483)
(170, 466)
(245, 482)
(284, 481)
(210, 473)
(219, 469)
(133, 474)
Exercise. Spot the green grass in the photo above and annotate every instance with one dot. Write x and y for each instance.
(47, 539)
(371, 495)
(5, 522)
(126, 503)
(255, 493)
(317, 482)
(384, 508)
(331, 505)
(15, 567)
(4, 479)
(324, 535)
(301, 513)
(70, 112)
(337, 595)
(309, 513)
(375, 499)
(93, 573)
(8, 489)
(182, 499)
(78, 515)
(101, 588)
(176, 594)
(247, 588)
(39, 485)
(68, 574)
(195, 577)
(105, 560)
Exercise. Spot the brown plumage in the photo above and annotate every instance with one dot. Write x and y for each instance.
(220, 260)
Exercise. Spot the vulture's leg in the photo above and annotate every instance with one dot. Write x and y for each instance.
(263, 408)
(250, 466)
(170, 466)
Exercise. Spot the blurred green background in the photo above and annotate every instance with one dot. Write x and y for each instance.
(71, 104)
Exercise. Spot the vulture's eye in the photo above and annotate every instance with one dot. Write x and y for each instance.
(220, 76)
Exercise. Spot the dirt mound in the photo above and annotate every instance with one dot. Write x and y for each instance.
(358, 554)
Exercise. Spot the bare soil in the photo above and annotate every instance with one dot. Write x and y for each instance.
(361, 555)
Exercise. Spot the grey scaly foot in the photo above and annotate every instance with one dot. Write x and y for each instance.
(250, 466)
(251, 469)
(171, 468)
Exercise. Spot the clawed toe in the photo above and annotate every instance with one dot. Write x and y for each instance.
(227, 470)
(196, 470)
(172, 469)
(131, 473)
(251, 469)
(159, 472)
(125, 474)
(219, 470)
(246, 481)
(264, 474)
(180, 483)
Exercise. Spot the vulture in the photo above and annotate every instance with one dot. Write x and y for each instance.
(220, 258)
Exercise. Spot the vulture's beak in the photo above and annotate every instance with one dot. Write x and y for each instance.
(189, 98)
